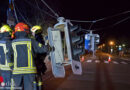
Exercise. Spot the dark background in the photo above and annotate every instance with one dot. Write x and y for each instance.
(96, 9)
(84, 10)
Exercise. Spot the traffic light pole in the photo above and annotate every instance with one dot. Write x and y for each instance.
(93, 39)
(92, 43)
(93, 46)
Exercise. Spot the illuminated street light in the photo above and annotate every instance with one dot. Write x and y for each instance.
(120, 48)
(111, 50)
(111, 43)
(123, 45)
(103, 45)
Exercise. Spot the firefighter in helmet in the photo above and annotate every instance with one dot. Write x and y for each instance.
(25, 48)
(37, 33)
(39, 58)
(6, 59)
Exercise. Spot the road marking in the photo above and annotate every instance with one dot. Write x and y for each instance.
(106, 62)
(97, 61)
(124, 62)
(115, 62)
(89, 61)
(125, 59)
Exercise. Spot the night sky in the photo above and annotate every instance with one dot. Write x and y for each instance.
(90, 10)
(96, 9)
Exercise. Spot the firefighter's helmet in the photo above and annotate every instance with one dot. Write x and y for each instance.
(36, 29)
(22, 27)
(5, 28)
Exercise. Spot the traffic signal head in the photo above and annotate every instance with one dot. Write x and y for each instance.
(97, 39)
(76, 40)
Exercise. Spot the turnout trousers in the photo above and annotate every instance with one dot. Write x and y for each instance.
(25, 81)
(7, 80)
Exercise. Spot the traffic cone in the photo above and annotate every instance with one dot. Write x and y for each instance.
(109, 59)
(82, 59)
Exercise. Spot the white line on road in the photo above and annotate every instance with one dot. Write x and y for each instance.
(106, 62)
(89, 61)
(125, 59)
(97, 61)
(124, 62)
(115, 62)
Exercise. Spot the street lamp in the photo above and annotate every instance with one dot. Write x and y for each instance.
(103, 45)
(111, 43)
(120, 47)
(123, 45)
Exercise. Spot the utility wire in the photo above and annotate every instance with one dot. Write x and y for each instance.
(23, 17)
(91, 25)
(97, 20)
(122, 20)
(93, 21)
(15, 12)
(125, 12)
(114, 24)
(50, 9)
(40, 9)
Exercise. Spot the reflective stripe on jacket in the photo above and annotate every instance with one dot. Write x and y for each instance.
(5, 52)
(23, 60)
(24, 49)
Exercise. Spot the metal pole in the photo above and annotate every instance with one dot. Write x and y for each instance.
(92, 42)
(93, 49)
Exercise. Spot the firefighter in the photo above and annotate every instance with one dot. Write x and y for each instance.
(1, 78)
(37, 33)
(0, 34)
(24, 70)
(39, 58)
(6, 59)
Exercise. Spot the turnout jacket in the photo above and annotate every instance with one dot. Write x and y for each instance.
(24, 50)
(39, 38)
(41, 67)
(6, 58)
